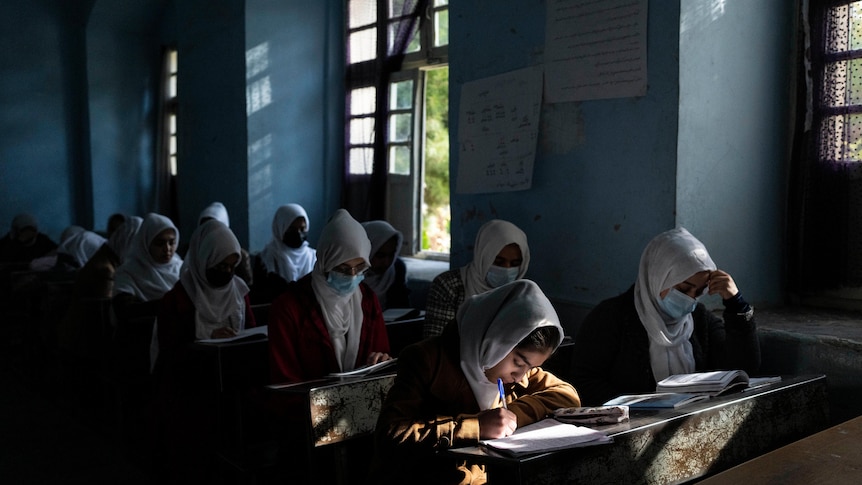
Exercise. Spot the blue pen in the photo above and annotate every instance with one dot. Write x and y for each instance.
(502, 392)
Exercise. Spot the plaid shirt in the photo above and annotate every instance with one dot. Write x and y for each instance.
(444, 297)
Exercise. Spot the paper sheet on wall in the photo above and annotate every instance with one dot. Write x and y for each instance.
(595, 50)
(499, 125)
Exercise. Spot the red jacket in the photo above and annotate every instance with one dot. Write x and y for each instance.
(300, 348)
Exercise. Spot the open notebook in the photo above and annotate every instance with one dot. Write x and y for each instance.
(545, 435)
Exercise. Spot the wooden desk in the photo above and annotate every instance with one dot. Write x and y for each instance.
(339, 417)
(674, 446)
(341, 409)
(828, 457)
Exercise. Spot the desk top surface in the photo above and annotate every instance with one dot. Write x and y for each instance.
(641, 420)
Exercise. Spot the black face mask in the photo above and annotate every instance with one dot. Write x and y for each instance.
(294, 238)
(217, 278)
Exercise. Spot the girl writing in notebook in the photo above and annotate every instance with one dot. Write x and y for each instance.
(446, 393)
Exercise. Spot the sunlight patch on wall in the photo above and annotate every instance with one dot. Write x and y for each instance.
(697, 15)
(258, 91)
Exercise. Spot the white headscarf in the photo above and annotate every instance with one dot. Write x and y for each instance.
(669, 259)
(291, 264)
(342, 239)
(492, 324)
(492, 237)
(22, 221)
(379, 233)
(217, 211)
(81, 246)
(210, 244)
(122, 237)
(139, 274)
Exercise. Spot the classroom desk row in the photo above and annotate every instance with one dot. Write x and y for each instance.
(679, 445)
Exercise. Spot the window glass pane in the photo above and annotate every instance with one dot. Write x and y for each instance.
(172, 62)
(843, 83)
(362, 131)
(361, 12)
(435, 206)
(400, 127)
(172, 144)
(415, 41)
(173, 163)
(439, 3)
(396, 7)
(362, 101)
(362, 46)
(441, 28)
(401, 95)
(844, 28)
(172, 124)
(361, 160)
(399, 160)
(172, 87)
(841, 138)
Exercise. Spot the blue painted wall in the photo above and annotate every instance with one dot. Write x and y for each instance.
(296, 97)
(735, 114)
(40, 47)
(604, 176)
(706, 147)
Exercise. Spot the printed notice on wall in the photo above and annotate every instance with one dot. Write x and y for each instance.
(595, 49)
(499, 125)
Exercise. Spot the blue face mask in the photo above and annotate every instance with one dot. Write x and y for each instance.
(677, 304)
(343, 284)
(498, 276)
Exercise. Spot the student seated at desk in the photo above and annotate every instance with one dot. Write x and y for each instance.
(218, 211)
(24, 243)
(150, 270)
(95, 281)
(446, 394)
(501, 255)
(658, 328)
(209, 301)
(287, 257)
(388, 273)
(328, 321)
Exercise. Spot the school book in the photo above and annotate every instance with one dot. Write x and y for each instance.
(592, 415)
(545, 435)
(253, 333)
(661, 400)
(712, 383)
(366, 369)
(398, 314)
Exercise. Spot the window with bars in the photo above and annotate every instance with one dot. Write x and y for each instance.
(395, 127)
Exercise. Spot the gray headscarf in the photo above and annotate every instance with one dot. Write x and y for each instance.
(492, 324)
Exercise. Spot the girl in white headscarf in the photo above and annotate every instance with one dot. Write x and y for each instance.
(288, 253)
(446, 394)
(329, 321)
(121, 238)
(658, 328)
(152, 266)
(388, 273)
(210, 301)
(218, 211)
(78, 248)
(501, 255)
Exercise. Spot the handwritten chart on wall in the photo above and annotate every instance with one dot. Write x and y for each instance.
(595, 50)
(499, 125)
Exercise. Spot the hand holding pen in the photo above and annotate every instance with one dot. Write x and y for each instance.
(497, 422)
